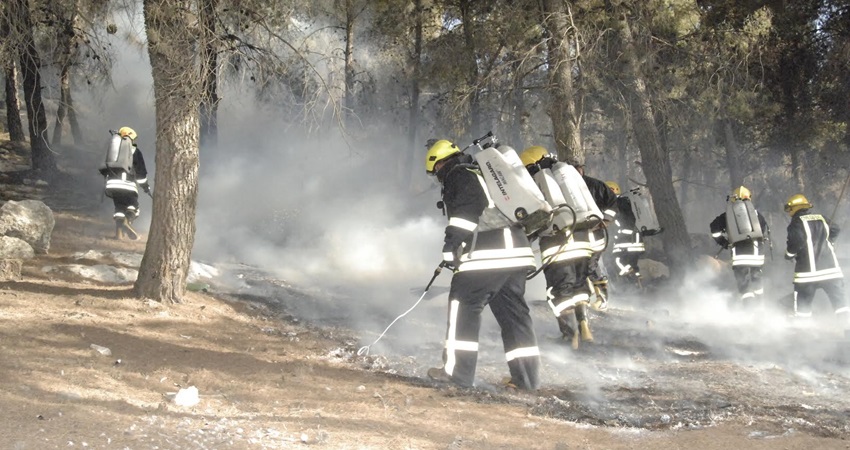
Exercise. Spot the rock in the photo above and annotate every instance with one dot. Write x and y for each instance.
(105, 351)
(10, 269)
(14, 248)
(99, 272)
(28, 220)
(187, 397)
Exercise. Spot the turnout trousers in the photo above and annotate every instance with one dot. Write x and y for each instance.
(503, 290)
(750, 285)
(804, 294)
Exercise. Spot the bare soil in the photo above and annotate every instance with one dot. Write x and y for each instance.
(269, 378)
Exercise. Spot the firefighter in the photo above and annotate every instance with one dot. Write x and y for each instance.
(567, 258)
(810, 243)
(490, 264)
(606, 200)
(121, 187)
(748, 249)
(628, 239)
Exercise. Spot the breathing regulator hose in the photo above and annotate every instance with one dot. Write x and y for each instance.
(561, 249)
(365, 349)
(567, 231)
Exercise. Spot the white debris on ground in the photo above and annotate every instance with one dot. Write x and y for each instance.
(123, 270)
(187, 397)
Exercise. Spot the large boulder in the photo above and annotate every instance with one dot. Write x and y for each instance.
(14, 248)
(28, 220)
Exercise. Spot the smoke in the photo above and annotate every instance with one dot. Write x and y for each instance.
(326, 214)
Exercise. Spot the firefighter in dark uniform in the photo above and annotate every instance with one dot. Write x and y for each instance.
(747, 255)
(567, 261)
(810, 244)
(628, 240)
(606, 200)
(490, 264)
(122, 188)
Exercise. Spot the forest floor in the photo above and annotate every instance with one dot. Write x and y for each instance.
(269, 378)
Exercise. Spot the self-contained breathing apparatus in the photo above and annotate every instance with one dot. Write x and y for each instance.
(119, 155)
(564, 188)
(513, 196)
(742, 221)
(644, 210)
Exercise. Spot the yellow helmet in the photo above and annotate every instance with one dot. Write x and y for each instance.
(127, 132)
(439, 151)
(533, 154)
(614, 186)
(741, 193)
(795, 203)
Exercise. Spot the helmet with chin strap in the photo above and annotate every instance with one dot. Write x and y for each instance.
(795, 203)
(127, 132)
(439, 151)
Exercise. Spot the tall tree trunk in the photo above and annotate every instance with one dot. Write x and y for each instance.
(209, 71)
(348, 97)
(66, 37)
(472, 72)
(177, 90)
(8, 57)
(407, 161)
(64, 90)
(13, 107)
(42, 158)
(797, 168)
(516, 105)
(566, 120)
(687, 169)
(76, 131)
(656, 162)
(733, 155)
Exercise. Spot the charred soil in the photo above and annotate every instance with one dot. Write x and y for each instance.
(270, 378)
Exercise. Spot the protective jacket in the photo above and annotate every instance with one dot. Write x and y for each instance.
(810, 238)
(627, 238)
(468, 245)
(749, 252)
(121, 181)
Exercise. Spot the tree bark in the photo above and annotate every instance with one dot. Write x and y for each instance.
(8, 57)
(566, 120)
(733, 155)
(656, 161)
(407, 161)
(472, 71)
(172, 48)
(348, 54)
(42, 158)
(209, 59)
(65, 58)
(64, 89)
(13, 106)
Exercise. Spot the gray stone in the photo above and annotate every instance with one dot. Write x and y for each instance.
(10, 269)
(14, 248)
(28, 220)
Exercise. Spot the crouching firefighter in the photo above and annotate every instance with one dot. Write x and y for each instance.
(744, 230)
(566, 248)
(810, 243)
(124, 169)
(490, 258)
